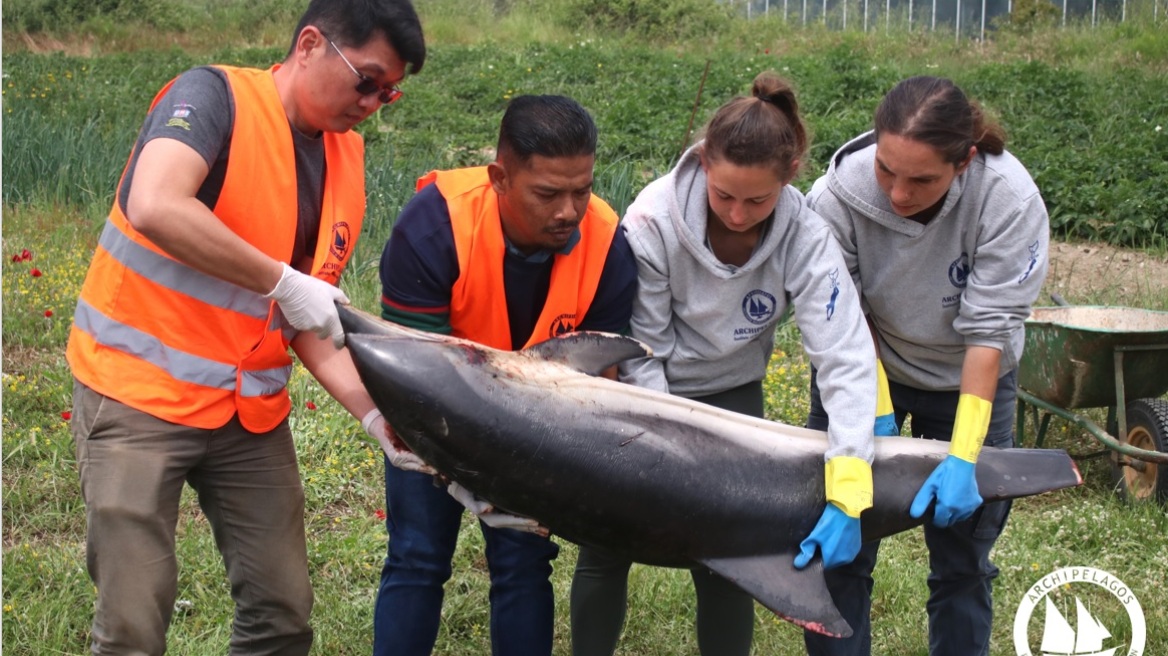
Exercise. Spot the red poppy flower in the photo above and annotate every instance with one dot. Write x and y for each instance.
(380, 514)
(48, 313)
(36, 273)
(310, 405)
(17, 258)
(66, 415)
(25, 254)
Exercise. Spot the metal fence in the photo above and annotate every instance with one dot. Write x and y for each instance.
(964, 17)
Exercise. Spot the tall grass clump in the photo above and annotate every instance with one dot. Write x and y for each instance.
(53, 15)
(667, 20)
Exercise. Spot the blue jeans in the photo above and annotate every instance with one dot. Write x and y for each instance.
(423, 523)
(960, 605)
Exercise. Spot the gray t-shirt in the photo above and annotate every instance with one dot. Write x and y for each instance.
(199, 111)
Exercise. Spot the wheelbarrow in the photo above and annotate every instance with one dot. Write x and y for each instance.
(1100, 356)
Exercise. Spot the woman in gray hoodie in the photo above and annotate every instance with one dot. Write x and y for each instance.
(945, 235)
(724, 245)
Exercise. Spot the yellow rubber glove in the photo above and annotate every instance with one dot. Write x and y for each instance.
(885, 414)
(836, 536)
(849, 484)
(970, 427)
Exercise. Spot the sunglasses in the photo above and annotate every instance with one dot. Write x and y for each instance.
(366, 86)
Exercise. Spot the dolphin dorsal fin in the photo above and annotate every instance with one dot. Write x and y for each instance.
(797, 595)
(589, 352)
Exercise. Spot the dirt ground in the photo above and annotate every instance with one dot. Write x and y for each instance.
(1100, 274)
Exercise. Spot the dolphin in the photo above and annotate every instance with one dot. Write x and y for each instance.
(658, 478)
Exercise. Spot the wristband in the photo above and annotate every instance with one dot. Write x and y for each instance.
(848, 483)
(970, 427)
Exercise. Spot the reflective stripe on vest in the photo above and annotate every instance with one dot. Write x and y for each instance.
(176, 276)
(187, 347)
(182, 366)
(475, 311)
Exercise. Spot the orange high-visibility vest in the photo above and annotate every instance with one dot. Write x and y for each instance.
(189, 348)
(477, 308)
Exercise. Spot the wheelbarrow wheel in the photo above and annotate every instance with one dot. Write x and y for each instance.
(1147, 428)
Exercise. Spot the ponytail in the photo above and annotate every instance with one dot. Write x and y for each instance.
(936, 112)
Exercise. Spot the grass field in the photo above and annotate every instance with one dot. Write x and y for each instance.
(1082, 114)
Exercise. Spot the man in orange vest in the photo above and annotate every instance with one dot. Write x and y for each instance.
(508, 255)
(235, 215)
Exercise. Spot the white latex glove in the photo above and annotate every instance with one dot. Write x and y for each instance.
(307, 303)
(399, 455)
(492, 517)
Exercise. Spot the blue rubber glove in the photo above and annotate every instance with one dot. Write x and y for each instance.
(836, 535)
(885, 426)
(954, 487)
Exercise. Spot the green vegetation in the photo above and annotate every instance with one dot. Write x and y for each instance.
(1082, 108)
(1086, 110)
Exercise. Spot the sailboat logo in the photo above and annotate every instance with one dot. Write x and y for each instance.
(1086, 639)
(758, 307)
(1087, 636)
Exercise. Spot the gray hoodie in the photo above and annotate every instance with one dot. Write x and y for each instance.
(968, 277)
(711, 325)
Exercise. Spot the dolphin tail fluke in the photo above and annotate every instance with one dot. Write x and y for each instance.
(799, 596)
(1013, 473)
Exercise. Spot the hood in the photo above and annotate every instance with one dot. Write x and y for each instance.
(689, 214)
(850, 176)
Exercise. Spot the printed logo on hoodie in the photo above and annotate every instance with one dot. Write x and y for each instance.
(758, 307)
(958, 277)
(959, 271)
(1033, 248)
(834, 278)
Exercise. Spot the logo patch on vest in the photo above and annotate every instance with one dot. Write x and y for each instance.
(339, 245)
(565, 323)
(758, 307)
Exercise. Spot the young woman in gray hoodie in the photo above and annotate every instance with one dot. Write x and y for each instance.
(945, 235)
(723, 246)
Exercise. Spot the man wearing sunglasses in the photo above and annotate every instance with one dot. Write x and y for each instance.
(508, 255)
(238, 210)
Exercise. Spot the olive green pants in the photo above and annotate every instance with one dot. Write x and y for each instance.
(133, 467)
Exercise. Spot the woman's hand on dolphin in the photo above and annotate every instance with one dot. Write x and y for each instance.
(836, 535)
(848, 487)
(954, 487)
(398, 453)
(953, 483)
(493, 517)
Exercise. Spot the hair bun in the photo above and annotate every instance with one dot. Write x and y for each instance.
(769, 87)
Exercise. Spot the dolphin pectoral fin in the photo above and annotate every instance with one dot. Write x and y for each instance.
(799, 596)
(589, 352)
